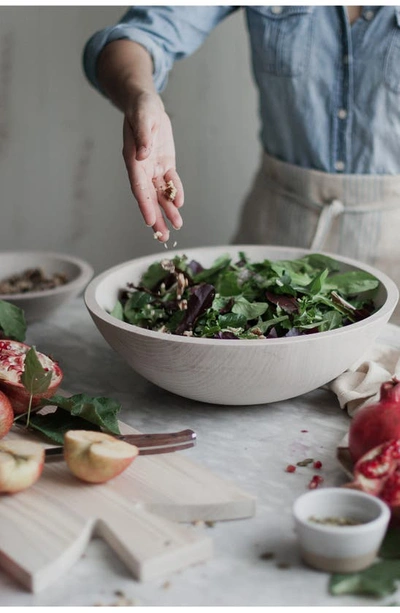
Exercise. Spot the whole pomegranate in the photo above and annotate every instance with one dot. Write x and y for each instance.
(376, 423)
(12, 358)
(378, 473)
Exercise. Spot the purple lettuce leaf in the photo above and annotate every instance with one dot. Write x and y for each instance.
(288, 304)
(201, 299)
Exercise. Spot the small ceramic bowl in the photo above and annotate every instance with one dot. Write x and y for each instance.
(340, 530)
(38, 305)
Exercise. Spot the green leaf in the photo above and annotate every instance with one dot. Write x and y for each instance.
(317, 285)
(54, 425)
(153, 276)
(206, 275)
(378, 580)
(232, 320)
(390, 547)
(250, 310)
(352, 282)
(35, 378)
(12, 321)
(227, 285)
(118, 311)
(100, 411)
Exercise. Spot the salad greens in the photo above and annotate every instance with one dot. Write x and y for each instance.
(240, 299)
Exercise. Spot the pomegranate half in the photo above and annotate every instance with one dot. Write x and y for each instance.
(378, 473)
(12, 359)
(376, 423)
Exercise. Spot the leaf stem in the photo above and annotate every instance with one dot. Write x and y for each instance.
(29, 411)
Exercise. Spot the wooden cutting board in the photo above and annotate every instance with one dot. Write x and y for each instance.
(45, 529)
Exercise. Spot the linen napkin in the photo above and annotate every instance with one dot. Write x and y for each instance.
(360, 384)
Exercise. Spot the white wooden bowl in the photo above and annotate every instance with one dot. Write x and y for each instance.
(40, 304)
(234, 372)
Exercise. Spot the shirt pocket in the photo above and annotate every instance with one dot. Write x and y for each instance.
(280, 38)
(392, 63)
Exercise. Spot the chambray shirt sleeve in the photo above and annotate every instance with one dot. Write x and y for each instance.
(168, 33)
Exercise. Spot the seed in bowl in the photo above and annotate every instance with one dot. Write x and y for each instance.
(31, 280)
(240, 299)
(335, 521)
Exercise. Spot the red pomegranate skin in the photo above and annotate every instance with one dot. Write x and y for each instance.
(12, 361)
(376, 423)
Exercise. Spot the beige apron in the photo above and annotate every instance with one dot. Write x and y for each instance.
(357, 216)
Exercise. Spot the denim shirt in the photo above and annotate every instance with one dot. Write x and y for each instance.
(329, 92)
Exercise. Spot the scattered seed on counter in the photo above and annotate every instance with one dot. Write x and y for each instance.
(317, 464)
(305, 462)
(268, 555)
(290, 468)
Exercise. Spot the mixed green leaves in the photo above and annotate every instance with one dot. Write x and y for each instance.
(379, 580)
(79, 412)
(12, 321)
(238, 299)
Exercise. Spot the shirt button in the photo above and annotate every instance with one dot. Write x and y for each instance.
(276, 10)
(369, 15)
(339, 165)
(342, 113)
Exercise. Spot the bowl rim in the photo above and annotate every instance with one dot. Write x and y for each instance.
(85, 274)
(374, 524)
(95, 309)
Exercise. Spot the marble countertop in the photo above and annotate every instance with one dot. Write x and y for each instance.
(248, 445)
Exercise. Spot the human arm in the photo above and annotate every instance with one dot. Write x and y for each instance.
(124, 71)
(129, 63)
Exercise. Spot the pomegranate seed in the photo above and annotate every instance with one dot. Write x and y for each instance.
(303, 430)
(315, 482)
(317, 464)
(290, 468)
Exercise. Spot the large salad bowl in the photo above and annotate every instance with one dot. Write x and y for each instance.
(235, 372)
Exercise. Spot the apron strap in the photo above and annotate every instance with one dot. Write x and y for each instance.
(328, 213)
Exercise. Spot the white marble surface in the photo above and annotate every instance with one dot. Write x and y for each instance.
(249, 445)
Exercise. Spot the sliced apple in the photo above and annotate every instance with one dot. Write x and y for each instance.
(96, 457)
(21, 464)
(6, 414)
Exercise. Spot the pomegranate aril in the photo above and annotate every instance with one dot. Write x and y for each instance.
(315, 482)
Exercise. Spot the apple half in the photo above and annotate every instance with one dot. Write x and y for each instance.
(96, 457)
(21, 464)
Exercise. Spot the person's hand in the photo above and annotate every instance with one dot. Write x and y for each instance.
(149, 155)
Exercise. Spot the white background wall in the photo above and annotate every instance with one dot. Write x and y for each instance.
(63, 184)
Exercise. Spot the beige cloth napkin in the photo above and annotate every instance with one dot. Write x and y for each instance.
(360, 384)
